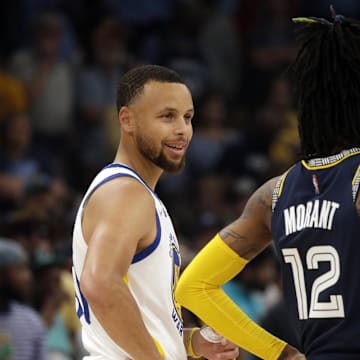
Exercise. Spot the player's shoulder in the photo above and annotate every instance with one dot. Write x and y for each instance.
(266, 190)
(121, 193)
(263, 197)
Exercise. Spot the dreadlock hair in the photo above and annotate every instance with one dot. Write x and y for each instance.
(326, 75)
(132, 83)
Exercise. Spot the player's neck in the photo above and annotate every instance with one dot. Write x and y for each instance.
(149, 172)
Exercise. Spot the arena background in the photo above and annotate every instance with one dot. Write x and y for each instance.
(60, 62)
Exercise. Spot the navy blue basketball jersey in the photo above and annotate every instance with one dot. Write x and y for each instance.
(316, 232)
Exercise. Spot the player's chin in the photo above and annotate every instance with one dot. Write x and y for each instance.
(175, 167)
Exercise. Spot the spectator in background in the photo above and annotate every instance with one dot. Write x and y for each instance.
(67, 311)
(275, 127)
(212, 135)
(148, 23)
(20, 165)
(22, 331)
(271, 47)
(269, 141)
(97, 86)
(13, 96)
(49, 83)
(209, 209)
(221, 48)
(182, 48)
(49, 297)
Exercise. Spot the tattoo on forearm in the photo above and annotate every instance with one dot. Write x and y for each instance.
(238, 243)
(228, 233)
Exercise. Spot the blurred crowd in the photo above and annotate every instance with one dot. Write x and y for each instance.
(60, 62)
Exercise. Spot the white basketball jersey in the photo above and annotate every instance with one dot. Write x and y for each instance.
(152, 279)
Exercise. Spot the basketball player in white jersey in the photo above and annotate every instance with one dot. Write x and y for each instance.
(125, 251)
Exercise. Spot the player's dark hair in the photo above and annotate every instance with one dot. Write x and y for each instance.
(326, 75)
(132, 83)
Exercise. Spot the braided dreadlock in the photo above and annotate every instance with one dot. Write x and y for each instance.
(326, 74)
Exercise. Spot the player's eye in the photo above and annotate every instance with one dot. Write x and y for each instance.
(188, 118)
(168, 115)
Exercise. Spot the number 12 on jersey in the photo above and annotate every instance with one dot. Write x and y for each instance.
(318, 309)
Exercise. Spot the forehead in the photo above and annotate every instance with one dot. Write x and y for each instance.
(159, 94)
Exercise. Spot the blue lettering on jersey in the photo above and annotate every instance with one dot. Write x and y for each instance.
(175, 255)
(178, 322)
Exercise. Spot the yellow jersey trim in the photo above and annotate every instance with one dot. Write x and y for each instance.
(343, 156)
(278, 188)
(126, 279)
(159, 347)
(283, 181)
(355, 176)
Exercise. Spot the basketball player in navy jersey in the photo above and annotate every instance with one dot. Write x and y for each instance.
(311, 212)
(125, 251)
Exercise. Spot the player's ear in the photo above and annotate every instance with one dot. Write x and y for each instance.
(126, 119)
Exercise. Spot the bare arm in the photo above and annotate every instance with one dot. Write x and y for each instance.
(251, 232)
(119, 220)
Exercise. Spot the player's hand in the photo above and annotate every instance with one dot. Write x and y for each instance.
(224, 350)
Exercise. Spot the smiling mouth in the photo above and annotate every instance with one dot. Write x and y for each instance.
(177, 149)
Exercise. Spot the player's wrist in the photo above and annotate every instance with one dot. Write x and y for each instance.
(192, 350)
(290, 353)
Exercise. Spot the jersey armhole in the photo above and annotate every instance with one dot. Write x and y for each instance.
(278, 189)
(107, 179)
(148, 250)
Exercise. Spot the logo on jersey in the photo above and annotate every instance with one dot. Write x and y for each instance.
(175, 255)
(316, 184)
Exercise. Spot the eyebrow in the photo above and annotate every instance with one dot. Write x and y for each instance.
(176, 110)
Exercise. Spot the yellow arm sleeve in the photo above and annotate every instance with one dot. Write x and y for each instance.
(199, 290)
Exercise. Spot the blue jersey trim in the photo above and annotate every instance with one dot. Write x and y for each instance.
(152, 247)
(104, 181)
(83, 308)
(147, 251)
(113, 165)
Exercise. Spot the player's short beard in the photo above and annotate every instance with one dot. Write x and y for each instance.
(159, 159)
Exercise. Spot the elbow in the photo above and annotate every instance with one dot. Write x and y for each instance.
(186, 293)
(194, 293)
(96, 289)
